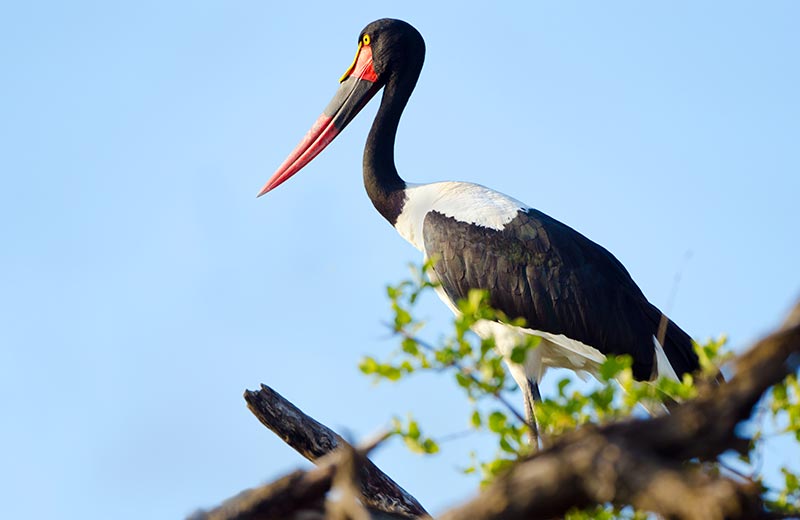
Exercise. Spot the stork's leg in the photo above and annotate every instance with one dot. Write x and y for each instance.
(531, 396)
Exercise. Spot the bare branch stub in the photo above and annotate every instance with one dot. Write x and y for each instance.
(314, 440)
(311, 439)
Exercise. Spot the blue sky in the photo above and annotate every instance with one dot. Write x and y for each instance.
(144, 287)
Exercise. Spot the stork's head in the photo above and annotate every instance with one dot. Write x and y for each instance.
(388, 50)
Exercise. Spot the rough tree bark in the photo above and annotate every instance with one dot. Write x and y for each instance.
(654, 464)
(314, 440)
(304, 492)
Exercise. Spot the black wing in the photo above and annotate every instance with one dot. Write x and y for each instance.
(558, 280)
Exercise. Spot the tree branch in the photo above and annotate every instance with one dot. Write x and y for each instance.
(300, 495)
(314, 440)
(640, 462)
(652, 464)
(296, 494)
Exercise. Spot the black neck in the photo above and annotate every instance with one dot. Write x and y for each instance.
(384, 186)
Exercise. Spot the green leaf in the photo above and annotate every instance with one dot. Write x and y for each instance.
(497, 421)
(562, 386)
(463, 381)
(518, 354)
(410, 346)
(429, 446)
(413, 429)
(475, 420)
(497, 466)
(792, 481)
(506, 447)
(389, 372)
(402, 318)
(613, 365)
(475, 298)
(368, 365)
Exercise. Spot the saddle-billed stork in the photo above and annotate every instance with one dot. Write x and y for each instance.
(571, 292)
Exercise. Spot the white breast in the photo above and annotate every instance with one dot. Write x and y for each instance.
(466, 202)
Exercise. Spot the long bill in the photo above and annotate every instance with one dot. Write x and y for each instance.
(358, 85)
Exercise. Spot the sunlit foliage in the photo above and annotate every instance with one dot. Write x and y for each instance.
(478, 370)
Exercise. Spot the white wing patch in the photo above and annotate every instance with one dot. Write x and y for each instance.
(555, 350)
(466, 202)
(663, 366)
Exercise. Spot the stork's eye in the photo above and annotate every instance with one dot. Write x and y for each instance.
(365, 39)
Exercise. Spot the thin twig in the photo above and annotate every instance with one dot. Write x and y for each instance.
(467, 373)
